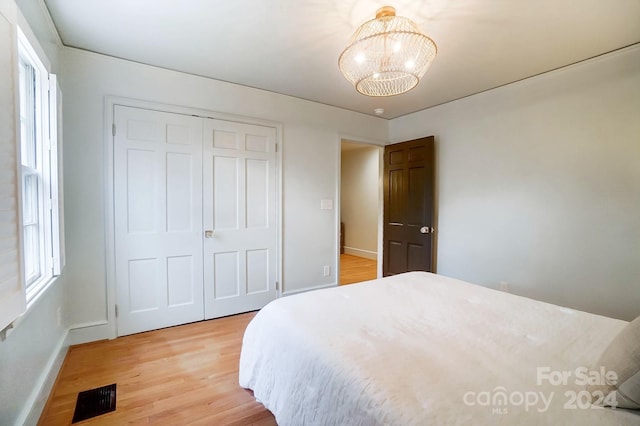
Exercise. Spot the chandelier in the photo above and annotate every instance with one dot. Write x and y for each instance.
(387, 55)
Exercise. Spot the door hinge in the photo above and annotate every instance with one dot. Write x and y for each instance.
(276, 147)
(113, 129)
(277, 285)
(116, 311)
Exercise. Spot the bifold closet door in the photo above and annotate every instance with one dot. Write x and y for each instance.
(158, 219)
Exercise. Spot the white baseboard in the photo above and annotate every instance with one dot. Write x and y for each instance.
(90, 332)
(303, 290)
(367, 254)
(34, 405)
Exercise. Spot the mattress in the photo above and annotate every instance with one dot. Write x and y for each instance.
(419, 349)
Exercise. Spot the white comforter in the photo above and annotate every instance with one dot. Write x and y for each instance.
(418, 349)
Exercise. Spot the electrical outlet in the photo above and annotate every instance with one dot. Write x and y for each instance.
(327, 270)
(504, 286)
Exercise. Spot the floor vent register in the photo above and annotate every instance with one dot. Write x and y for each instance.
(95, 402)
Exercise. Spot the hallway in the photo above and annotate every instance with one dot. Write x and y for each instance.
(355, 269)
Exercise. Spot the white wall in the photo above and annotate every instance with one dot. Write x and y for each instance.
(359, 205)
(539, 185)
(310, 165)
(30, 358)
(33, 351)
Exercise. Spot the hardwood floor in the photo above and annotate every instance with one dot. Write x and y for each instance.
(174, 376)
(354, 269)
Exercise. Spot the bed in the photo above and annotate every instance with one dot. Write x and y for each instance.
(419, 349)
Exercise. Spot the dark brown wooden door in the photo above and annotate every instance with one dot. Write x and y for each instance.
(408, 206)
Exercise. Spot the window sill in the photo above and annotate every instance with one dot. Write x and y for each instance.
(10, 329)
(39, 288)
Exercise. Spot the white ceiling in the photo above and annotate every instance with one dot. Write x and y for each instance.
(292, 46)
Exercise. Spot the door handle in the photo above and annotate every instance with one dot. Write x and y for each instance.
(426, 230)
(208, 234)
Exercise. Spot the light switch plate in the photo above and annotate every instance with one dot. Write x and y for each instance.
(326, 204)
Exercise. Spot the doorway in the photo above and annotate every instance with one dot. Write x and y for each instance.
(360, 207)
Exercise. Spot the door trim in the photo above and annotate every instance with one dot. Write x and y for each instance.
(109, 104)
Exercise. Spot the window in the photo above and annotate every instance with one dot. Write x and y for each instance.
(38, 171)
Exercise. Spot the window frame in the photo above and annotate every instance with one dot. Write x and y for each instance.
(46, 172)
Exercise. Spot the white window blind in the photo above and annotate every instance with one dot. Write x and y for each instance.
(12, 295)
